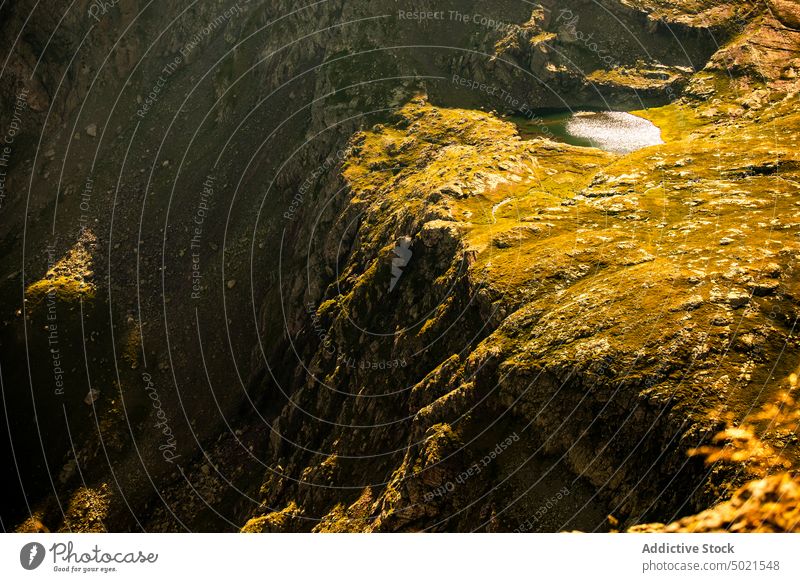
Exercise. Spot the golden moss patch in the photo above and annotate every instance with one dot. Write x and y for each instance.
(275, 522)
(70, 278)
(87, 510)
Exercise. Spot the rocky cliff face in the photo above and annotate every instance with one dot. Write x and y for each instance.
(301, 272)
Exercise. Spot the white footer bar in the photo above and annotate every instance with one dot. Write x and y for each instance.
(356, 558)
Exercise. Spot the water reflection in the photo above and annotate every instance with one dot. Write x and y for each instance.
(613, 131)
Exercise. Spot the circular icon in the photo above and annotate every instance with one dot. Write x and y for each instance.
(31, 555)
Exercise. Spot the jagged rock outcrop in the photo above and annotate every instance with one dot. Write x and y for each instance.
(768, 505)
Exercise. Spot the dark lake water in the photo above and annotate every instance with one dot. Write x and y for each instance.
(613, 131)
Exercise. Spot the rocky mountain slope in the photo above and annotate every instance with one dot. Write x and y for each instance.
(302, 272)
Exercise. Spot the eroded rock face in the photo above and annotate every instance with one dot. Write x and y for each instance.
(542, 321)
(787, 12)
(766, 51)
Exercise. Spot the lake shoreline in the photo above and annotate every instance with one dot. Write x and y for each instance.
(617, 132)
